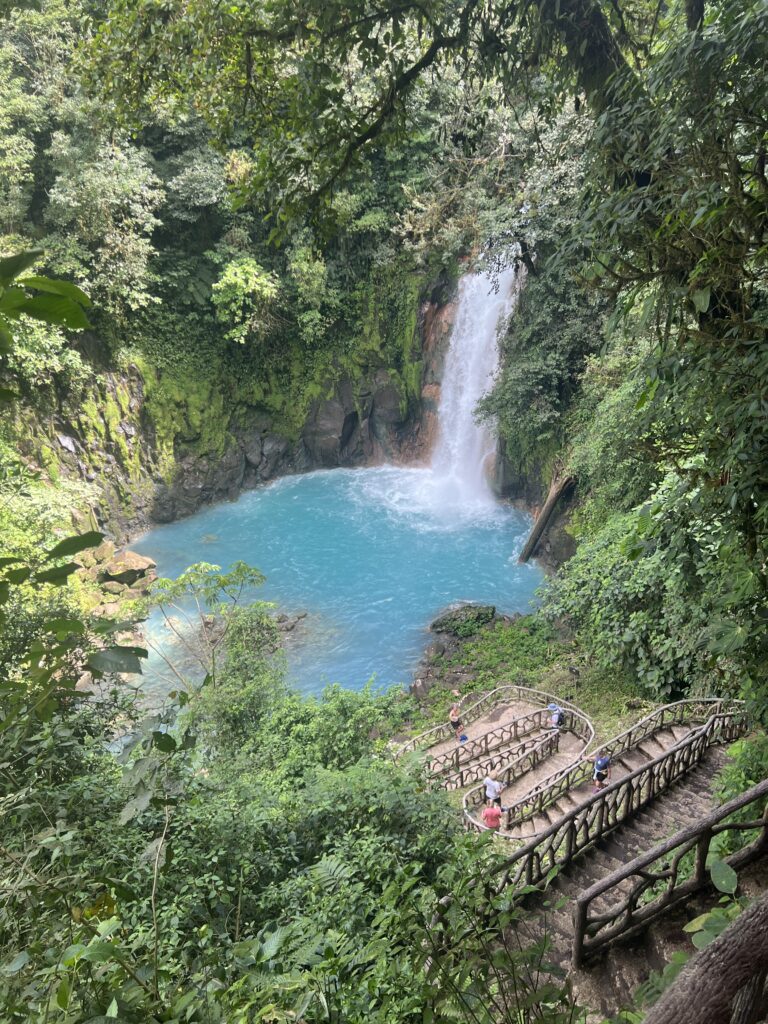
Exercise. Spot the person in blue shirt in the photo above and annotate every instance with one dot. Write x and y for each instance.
(601, 776)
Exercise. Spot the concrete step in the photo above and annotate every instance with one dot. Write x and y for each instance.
(651, 748)
(633, 759)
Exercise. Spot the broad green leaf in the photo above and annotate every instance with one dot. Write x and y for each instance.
(45, 284)
(18, 963)
(11, 300)
(12, 266)
(99, 952)
(697, 923)
(62, 994)
(62, 627)
(6, 340)
(135, 806)
(58, 575)
(73, 545)
(55, 309)
(164, 741)
(116, 659)
(701, 299)
(72, 953)
(724, 878)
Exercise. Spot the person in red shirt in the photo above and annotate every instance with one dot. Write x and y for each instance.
(491, 816)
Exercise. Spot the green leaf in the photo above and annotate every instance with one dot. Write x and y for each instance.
(112, 1009)
(117, 659)
(12, 266)
(72, 545)
(18, 963)
(55, 309)
(58, 575)
(62, 994)
(99, 952)
(701, 299)
(62, 627)
(724, 878)
(164, 741)
(697, 923)
(139, 803)
(45, 284)
(648, 394)
(6, 342)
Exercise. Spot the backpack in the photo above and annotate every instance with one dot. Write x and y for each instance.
(558, 717)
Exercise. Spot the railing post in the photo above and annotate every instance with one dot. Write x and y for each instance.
(579, 931)
(702, 850)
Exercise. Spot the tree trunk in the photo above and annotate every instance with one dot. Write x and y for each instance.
(557, 488)
(708, 985)
(694, 14)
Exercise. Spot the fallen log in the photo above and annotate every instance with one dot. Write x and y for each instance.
(559, 486)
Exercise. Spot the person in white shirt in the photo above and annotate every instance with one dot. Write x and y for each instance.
(493, 790)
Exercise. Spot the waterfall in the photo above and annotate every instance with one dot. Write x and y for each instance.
(465, 449)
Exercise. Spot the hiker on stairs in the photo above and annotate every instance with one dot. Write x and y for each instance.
(602, 773)
(454, 717)
(493, 789)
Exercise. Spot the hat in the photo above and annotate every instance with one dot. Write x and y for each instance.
(553, 707)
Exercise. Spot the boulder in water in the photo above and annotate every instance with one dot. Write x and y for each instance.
(464, 620)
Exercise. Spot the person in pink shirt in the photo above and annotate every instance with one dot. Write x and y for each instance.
(491, 816)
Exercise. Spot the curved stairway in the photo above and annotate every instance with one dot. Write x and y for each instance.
(508, 734)
(569, 840)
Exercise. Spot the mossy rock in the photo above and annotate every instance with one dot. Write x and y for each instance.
(466, 620)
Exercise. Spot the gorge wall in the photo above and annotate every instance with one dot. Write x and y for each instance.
(153, 454)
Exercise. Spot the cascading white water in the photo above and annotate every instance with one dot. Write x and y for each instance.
(465, 448)
(455, 490)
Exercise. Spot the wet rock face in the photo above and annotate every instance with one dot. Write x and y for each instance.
(357, 423)
(387, 414)
(199, 480)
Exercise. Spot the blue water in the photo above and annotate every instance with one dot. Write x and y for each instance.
(371, 556)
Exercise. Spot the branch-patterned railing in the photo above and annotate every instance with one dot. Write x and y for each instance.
(549, 790)
(515, 769)
(556, 846)
(451, 761)
(660, 869)
(474, 710)
(505, 765)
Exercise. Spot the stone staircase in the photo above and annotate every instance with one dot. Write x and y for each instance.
(611, 980)
(578, 847)
(648, 749)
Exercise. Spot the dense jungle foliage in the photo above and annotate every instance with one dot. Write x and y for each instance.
(255, 197)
